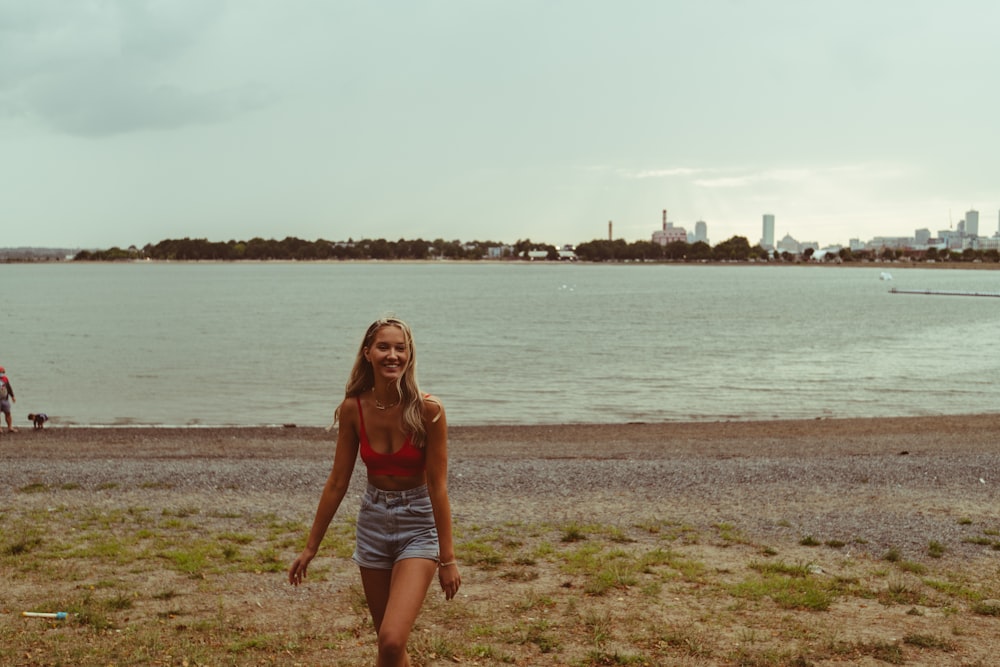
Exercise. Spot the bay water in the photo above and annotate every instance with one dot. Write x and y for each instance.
(248, 344)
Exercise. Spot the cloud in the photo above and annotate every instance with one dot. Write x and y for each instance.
(117, 66)
(90, 101)
(758, 178)
(853, 173)
(663, 173)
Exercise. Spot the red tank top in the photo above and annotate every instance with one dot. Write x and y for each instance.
(407, 462)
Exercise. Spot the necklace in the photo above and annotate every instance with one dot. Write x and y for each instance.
(383, 406)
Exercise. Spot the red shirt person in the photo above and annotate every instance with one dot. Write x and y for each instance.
(6, 398)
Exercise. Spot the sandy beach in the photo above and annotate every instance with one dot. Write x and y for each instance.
(190, 529)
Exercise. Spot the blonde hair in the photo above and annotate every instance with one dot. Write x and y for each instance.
(362, 379)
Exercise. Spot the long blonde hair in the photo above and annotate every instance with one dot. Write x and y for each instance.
(362, 379)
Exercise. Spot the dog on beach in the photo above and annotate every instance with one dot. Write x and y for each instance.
(39, 419)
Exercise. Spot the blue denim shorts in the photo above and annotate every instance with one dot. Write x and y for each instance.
(394, 525)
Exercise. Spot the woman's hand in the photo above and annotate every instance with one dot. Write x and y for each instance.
(450, 579)
(297, 570)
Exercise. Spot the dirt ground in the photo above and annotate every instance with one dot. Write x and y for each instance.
(867, 486)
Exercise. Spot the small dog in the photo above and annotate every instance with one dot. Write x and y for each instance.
(39, 420)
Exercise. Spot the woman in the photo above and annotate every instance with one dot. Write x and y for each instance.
(404, 524)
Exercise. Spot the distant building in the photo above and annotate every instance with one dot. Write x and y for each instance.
(669, 233)
(767, 237)
(700, 233)
(951, 238)
(499, 252)
(972, 223)
(789, 245)
(894, 242)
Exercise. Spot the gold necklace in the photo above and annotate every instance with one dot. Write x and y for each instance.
(383, 406)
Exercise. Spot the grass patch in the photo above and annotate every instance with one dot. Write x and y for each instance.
(34, 487)
(987, 608)
(935, 549)
(573, 532)
(183, 584)
(929, 642)
(893, 555)
(795, 590)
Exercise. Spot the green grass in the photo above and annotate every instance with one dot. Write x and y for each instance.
(182, 583)
(787, 592)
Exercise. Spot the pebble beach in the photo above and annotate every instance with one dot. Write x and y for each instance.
(874, 484)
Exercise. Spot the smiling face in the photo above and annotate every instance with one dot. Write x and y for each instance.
(389, 353)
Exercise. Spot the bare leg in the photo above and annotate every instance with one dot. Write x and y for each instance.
(394, 599)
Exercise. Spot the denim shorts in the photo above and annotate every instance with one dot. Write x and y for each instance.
(394, 525)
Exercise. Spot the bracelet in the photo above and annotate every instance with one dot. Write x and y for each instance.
(444, 565)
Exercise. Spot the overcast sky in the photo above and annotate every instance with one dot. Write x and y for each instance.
(127, 121)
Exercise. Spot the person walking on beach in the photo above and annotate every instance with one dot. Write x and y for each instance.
(404, 532)
(6, 398)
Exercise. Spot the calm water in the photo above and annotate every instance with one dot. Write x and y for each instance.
(251, 344)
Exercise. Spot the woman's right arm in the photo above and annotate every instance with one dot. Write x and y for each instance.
(333, 491)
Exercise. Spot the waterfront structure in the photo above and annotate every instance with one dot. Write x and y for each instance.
(767, 238)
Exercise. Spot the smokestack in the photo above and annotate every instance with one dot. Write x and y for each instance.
(664, 219)
(609, 231)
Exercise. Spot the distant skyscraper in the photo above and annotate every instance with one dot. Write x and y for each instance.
(700, 232)
(972, 223)
(767, 240)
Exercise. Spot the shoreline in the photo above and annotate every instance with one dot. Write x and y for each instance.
(981, 265)
(974, 432)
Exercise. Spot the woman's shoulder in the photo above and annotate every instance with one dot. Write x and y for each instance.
(433, 408)
(347, 411)
(349, 405)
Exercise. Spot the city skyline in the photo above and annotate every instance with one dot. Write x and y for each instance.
(967, 227)
(700, 231)
(128, 122)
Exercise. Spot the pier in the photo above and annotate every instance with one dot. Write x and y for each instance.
(941, 293)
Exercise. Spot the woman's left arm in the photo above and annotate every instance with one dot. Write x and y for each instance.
(437, 485)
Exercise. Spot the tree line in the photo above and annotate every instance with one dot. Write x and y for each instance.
(735, 249)
(291, 248)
